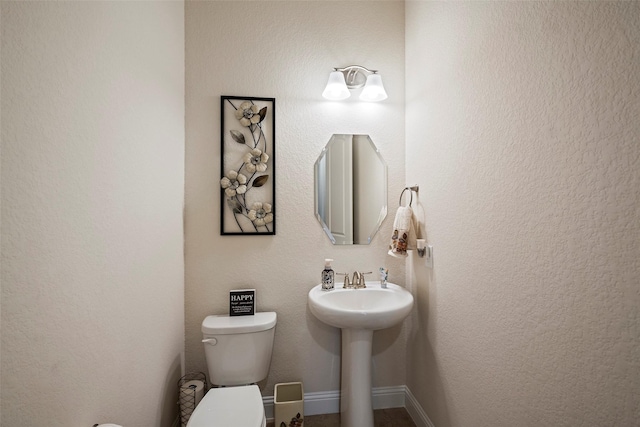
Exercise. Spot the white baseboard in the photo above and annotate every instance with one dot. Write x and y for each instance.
(388, 397)
(415, 411)
(328, 402)
(323, 402)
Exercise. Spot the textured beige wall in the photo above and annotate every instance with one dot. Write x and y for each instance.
(286, 50)
(92, 196)
(523, 131)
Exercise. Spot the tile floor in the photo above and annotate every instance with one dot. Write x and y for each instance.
(394, 417)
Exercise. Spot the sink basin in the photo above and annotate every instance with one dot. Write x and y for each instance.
(359, 312)
(370, 308)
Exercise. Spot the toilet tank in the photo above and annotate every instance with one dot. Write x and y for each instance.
(238, 348)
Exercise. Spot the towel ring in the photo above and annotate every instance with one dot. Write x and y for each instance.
(401, 194)
(411, 190)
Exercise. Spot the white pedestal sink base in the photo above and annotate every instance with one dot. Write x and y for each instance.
(359, 312)
(356, 409)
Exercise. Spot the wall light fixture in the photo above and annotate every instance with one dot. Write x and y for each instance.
(354, 77)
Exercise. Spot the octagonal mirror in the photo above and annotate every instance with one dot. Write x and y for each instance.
(350, 189)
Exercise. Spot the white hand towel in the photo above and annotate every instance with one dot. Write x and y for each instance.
(404, 232)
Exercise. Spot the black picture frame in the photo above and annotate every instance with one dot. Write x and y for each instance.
(248, 166)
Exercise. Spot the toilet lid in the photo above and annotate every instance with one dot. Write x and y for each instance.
(229, 406)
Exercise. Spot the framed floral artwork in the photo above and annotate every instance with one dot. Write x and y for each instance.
(247, 182)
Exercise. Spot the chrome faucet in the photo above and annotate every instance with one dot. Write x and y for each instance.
(358, 280)
(356, 283)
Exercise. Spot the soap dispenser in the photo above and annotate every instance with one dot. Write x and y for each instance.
(327, 276)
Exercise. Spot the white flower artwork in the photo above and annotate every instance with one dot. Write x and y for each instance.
(247, 173)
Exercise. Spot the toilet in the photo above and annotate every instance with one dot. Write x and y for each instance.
(238, 352)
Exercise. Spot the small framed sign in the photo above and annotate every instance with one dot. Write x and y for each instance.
(242, 302)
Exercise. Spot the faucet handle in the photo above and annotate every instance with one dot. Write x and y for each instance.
(346, 284)
(368, 272)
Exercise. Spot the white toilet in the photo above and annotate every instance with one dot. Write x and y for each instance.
(238, 351)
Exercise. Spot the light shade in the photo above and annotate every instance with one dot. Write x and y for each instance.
(336, 87)
(373, 89)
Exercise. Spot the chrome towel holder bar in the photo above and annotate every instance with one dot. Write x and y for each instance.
(414, 188)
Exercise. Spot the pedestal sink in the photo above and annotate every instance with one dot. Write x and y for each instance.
(359, 312)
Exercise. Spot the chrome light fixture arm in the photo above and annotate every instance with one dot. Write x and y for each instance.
(355, 75)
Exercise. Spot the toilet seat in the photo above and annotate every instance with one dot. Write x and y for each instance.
(230, 406)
